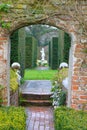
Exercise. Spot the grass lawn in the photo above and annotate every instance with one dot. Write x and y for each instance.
(39, 74)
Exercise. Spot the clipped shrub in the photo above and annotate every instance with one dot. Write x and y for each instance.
(70, 119)
(50, 57)
(54, 51)
(13, 80)
(12, 118)
(67, 45)
(30, 52)
(14, 47)
(21, 49)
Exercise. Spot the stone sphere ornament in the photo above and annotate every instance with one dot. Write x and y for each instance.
(15, 65)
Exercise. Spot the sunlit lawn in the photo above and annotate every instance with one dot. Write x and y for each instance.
(39, 74)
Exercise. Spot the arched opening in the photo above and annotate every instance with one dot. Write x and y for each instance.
(74, 59)
(50, 34)
(69, 16)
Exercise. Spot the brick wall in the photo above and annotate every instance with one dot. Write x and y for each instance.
(79, 78)
(24, 13)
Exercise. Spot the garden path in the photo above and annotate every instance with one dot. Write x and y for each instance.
(40, 118)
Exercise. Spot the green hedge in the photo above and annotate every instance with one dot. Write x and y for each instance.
(70, 119)
(34, 53)
(14, 47)
(30, 52)
(12, 118)
(50, 53)
(21, 49)
(54, 55)
(60, 47)
(67, 45)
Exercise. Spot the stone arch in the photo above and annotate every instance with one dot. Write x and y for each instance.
(77, 89)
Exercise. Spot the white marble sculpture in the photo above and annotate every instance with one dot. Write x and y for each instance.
(42, 54)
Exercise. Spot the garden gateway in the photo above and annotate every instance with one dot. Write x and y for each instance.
(70, 16)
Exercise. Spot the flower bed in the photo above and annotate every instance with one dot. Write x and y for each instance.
(70, 119)
(12, 118)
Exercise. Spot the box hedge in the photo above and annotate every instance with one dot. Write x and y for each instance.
(14, 47)
(54, 53)
(12, 118)
(30, 52)
(70, 119)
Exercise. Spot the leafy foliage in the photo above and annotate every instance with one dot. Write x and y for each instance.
(4, 7)
(5, 24)
(22, 81)
(13, 80)
(1, 99)
(12, 118)
(70, 119)
(59, 95)
(60, 75)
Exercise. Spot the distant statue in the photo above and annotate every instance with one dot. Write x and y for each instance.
(42, 54)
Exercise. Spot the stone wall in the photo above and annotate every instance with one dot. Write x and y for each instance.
(70, 17)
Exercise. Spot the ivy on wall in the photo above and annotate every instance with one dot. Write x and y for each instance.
(4, 8)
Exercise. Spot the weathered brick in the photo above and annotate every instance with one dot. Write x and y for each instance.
(75, 77)
(3, 38)
(74, 87)
(83, 97)
(74, 106)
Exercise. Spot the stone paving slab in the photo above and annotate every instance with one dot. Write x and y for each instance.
(37, 87)
(40, 118)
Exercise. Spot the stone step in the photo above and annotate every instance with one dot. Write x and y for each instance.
(36, 96)
(36, 103)
(28, 99)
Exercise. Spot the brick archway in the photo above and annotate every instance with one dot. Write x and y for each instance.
(77, 94)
